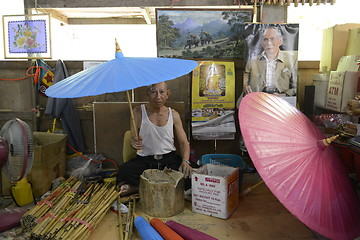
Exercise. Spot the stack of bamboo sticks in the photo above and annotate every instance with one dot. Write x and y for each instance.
(60, 217)
(126, 220)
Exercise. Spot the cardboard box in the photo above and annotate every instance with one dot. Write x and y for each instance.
(334, 44)
(353, 46)
(215, 191)
(343, 86)
(49, 161)
(348, 63)
(321, 82)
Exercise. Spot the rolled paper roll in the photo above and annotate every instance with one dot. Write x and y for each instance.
(166, 232)
(188, 233)
(146, 231)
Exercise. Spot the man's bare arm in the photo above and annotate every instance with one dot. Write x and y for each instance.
(183, 144)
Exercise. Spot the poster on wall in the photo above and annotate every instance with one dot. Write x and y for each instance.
(27, 36)
(271, 59)
(201, 33)
(213, 101)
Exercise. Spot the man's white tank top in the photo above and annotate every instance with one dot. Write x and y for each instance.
(156, 140)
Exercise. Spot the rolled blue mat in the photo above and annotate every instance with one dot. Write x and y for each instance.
(146, 231)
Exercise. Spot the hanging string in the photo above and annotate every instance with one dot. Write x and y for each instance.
(35, 75)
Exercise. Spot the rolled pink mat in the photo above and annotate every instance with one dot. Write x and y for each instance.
(10, 217)
(188, 233)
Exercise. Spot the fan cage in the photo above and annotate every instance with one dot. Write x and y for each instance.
(20, 157)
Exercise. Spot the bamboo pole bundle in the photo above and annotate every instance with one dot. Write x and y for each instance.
(50, 222)
(41, 208)
(98, 217)
(81, 219)
(60, 217)
(51, 218)
(77, 207)
(61, 226)
(70, 207)
(126, 220)
(90, 216)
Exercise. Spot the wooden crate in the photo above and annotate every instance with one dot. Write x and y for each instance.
(49, 161)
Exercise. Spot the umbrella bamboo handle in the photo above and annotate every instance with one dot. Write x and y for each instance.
(249, 189)
(132, 114)
(327, 141)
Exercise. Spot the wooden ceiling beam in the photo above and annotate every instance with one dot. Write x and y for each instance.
(147, 15)
(55, 14)
(127, 3)
(112, 20)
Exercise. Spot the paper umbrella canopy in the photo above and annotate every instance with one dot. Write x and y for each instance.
(120, 74)
(305, 174)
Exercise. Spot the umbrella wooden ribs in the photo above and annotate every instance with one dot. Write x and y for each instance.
(59, 217)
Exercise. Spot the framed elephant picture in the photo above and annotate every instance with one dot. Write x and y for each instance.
(202, 33)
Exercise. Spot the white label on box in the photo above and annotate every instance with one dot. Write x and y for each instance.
(335, 89)
(208, 195)
(214, 195)
(342, 87)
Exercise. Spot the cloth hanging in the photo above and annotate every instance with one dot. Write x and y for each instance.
(46, 77)
(66, 110)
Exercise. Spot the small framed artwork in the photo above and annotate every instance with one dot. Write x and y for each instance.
(202, 33)
(27, 36)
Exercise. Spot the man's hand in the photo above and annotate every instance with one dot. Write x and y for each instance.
(247, 89)
(136, 142)
(185, 169)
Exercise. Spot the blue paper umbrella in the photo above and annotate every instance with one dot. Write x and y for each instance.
(120, 74)
(146, 231)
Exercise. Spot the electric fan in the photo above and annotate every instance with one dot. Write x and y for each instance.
(16, 158)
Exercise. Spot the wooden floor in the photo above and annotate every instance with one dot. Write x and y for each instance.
(260, 216)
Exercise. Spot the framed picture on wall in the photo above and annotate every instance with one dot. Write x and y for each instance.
(201, 33)
(27, 36)
(277, 42)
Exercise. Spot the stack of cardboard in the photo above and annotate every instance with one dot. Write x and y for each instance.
(334, 45)
(353, 46)
(339, 57)
(344, 84)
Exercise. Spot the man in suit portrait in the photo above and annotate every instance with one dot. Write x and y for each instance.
(273, 70)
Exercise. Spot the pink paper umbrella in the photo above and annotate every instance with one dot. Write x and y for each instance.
(188, 233)
(307, 177)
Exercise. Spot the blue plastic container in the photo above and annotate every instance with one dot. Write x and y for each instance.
(231, 160)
